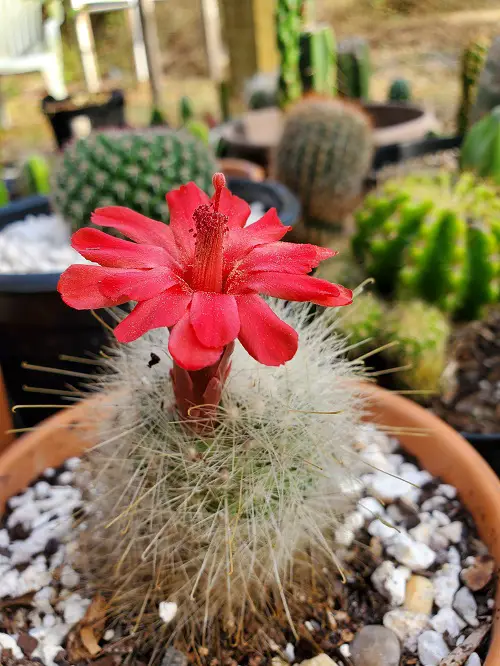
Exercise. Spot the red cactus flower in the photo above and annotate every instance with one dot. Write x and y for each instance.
(201, 276)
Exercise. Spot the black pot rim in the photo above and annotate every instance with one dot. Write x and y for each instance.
(479, 438)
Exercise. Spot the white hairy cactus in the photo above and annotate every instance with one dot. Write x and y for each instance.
(221, 524)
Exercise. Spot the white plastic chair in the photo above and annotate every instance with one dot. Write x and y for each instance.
(30, 44)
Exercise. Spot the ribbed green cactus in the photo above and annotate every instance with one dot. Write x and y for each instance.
(434, 237)
(288, 28)
(324, 156)
(481, 147)
(35, 176)
(364, 322)
(130, 168)
(353, 68)
(399, 91)
(422, 333)
(318, 62)
(473, 59)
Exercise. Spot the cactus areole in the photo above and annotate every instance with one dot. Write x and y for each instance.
(201, 277)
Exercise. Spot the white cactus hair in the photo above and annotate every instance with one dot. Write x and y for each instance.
(222, 524)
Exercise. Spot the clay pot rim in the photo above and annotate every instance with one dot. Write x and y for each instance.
(443, 452)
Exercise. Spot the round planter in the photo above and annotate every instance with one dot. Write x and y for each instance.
(235, 168)
(62, 116)
(271, 195)
(442, 451)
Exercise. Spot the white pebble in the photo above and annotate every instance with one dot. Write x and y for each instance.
(448, 621)
(390, 581)
(431, 648)
(73, 464)
(344, 536)
(394, 514)
(412, 554)
(448, 491)
(42, 489)
(433, 503)
(4, 539)
(473, 660)
(370, 508)
(440, 517)
(69, 577)
(109, 634)
(49, 621)
(43, 598)
(446, 582)
(74, 608)
(490, 603)
(9, 643)
(466, 606)
(453, 531)
(453, 555)
(22, 498)
(389, 488)
(345, 650)
(290, 652)
(66, 478)
(407, 626)
(423, 531)
(49, 473)
(383, 531)
(167, 611)
(47, 652)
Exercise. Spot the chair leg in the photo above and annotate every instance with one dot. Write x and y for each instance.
(53, 75)
(87, 49)
(140, 56)
(5, 417)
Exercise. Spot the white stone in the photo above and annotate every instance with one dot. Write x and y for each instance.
(72, 464)
(453, 531)
(453, 555)
(42, 489)
(354, 521)
(473, 660)
(74, 608)
(66, 478)
(490, 603)
(460, 639)
(440, 517)
(319, 660)
(344, 536)
(69, 577)
(424, 531)
(438, 541)
(290, 652)
(406, 625)
(466, 606)
(24, 515)
(450, 492)
(9, 582)
(47, 652)
(345, 650)
(390, 581)
(448, 620)
(9, 643)
(383, 531)
(109, 634)
(389, 488)
(4, 539)
(49, 473)
(446, 583)
(396, 460)
(394, 514)
(22, 498)
(431, 648)
(419, 477)
(434, 503)
(412, 554)
(43, 598)
(167, 611)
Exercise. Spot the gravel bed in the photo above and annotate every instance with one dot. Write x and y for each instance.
(419, 584)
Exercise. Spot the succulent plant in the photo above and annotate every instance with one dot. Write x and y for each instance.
(186, 110)
(488, 86)
(399, 91)
(132, 168)
(433, 237)
(353, 68)
(288, 28)
(4, 193)
(324, 156)
(422, 333)
(317, 61)
(473, 59)
(36, 175)
(480, 150)
(364, 322)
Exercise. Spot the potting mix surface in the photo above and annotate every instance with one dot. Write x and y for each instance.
(418, 588)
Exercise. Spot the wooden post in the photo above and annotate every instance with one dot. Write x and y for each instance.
(250, 36)
(153, 52)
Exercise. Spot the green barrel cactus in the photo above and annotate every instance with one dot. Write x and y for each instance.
(132, 168)
(481, 147)
(399, 91)
(353, 68)
(473, 59)
(433, 237)
(318, 63)
(324, 156)
(288, 29)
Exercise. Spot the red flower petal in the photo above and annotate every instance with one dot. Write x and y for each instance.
(265, 337)
(237, 210)
(182, 203)
(139, 228)
(137, 285)
(161, 311)
(240, 241)
(214, 318)
(186, 349)
(107, 250)
(298, 288)
(79, 287)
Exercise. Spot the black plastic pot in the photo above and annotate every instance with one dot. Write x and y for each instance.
(109, 114)
(36, 327)
(488, 446)
(271, 195)
(400, 152)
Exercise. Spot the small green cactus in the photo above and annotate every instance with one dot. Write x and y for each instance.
(324, 156)
(353, 68)
(36, 175)
(422, 333)
(157, 118)
(433, 237)
(318, 61)
(481, 147)
(186, 110)
(132, 168)
(288, 28)
(473, 59)
(364, 322)
(399, 91)
(4, 194)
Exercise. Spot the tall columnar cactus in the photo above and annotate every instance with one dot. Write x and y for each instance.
(129, 168)
(353, 68)
(473, 59)
(318, 62)
(481, 147)
(488, 87)
(288, 28)
(324, 156)
(434, 237)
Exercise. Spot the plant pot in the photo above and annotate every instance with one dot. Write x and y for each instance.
(235, 168)
(443, 452)
(271, 195)
(69, 119)
(36, 327)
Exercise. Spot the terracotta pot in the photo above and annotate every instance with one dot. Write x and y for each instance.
(439, 449)
(233, 167)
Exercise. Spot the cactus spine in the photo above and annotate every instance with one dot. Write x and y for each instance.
(433, 237)
(324, 156)
(473, 59)
(353, 67)
(288, 27)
